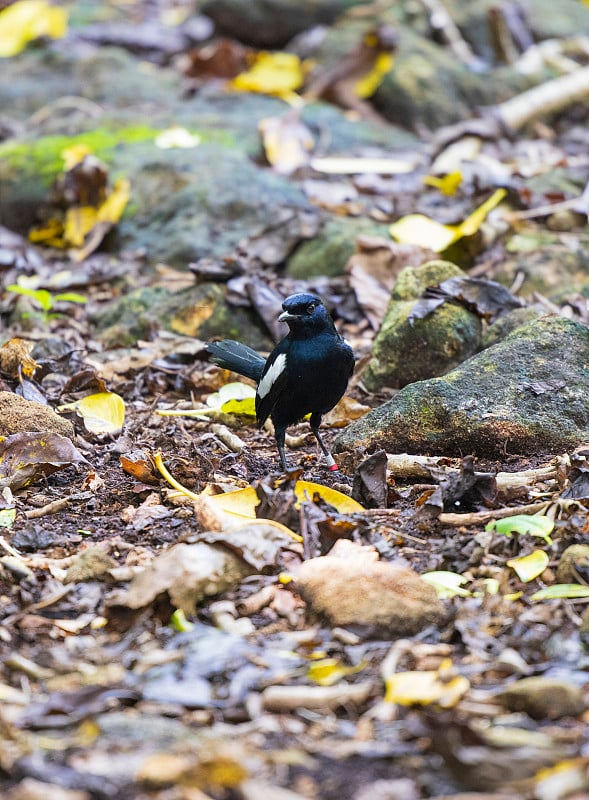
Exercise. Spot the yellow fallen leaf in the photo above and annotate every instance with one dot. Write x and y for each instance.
(446, 584)
(368, 85)
(328, 671)
(305, 490)
(279, 74)
(421, 230)
(234, 398)
(426, 687)
(50, 234)
(564, 779)
(79, 221)
(447, 184)
(114, 205)
(103, 412)
(27, 20)
(244, 501)
(74, 155)
(529, 567)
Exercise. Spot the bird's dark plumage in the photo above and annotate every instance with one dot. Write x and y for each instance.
(306, 373)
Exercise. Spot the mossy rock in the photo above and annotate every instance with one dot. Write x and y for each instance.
(406, 351)
(201, 312)
(508, 323)
(328, 252)
(490, 403)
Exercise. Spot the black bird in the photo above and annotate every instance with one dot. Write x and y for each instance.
(306, 373)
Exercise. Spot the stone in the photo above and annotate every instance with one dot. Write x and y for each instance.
(406, 351)
(574, 564)
(526, 394)
(328, 252)
(543, 698)
(350, 587)
(271, 23)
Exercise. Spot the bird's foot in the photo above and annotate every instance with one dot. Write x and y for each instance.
(330, 461)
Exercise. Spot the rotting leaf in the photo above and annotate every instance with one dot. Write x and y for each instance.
(15, 358)
(188, 574)
(530, 566)
(24, 457)
(140, 466)
(531, 524)
(488, 299)
(561, 591)
(421, 230)
(577, 487)
(65, 708)
(103, 412)
(428, 687)
(370, 481)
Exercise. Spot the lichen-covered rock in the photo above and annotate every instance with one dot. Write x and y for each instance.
(526, 394)
(406, 351)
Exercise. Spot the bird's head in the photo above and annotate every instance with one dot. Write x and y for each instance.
(305, 314)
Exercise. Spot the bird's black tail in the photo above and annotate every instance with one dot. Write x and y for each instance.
(238, 358)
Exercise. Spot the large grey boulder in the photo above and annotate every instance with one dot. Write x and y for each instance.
(527, 394)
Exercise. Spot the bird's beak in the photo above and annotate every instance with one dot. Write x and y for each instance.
(285, 317)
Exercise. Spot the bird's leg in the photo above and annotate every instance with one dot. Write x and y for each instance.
(315, 423)
(280, 436)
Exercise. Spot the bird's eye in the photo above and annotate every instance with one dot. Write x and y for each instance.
(311, 307)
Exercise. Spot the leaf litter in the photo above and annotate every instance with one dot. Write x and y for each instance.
(257, 635)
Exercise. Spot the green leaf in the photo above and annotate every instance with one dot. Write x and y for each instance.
(559, 591)
(41, 296)
(179, 622)
(532, 524)
(71, 297)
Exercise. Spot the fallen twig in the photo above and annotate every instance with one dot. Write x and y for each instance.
(404, 465)
(481, 517)
(50, 508)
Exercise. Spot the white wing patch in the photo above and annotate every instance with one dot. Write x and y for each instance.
(272, 376)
